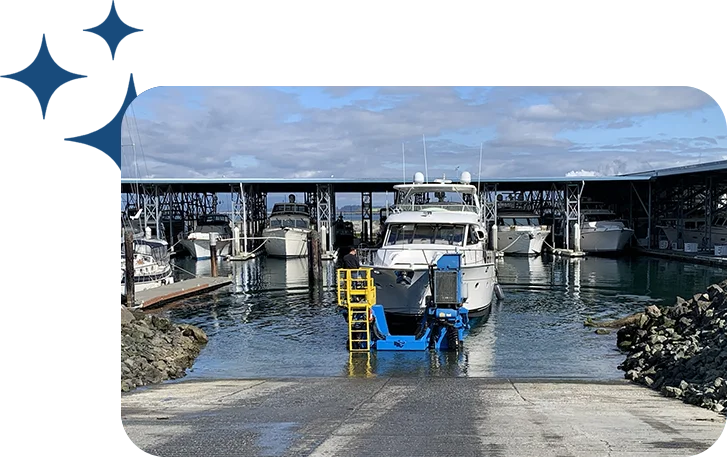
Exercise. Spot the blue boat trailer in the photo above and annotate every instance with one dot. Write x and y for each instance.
(443, 325)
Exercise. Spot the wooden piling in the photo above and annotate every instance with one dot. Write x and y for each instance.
(129, 267)
(315, 263)
(213, 254)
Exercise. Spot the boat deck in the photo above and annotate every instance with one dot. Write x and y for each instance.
(178, 290)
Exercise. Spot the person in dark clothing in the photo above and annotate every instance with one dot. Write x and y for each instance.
(350, 260)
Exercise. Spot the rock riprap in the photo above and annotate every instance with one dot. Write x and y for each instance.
(153, 349)
(681, 350)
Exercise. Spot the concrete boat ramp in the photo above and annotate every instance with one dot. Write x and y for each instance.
(403, 417)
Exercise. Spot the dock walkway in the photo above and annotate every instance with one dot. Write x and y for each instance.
(703, 258)
(178, 290)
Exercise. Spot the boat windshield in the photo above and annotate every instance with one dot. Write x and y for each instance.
(293, 223)
(159, 252)
(213, 219)
(448, 234)
(290, 208)
(448, 200)
(520, 221)
(596, 217)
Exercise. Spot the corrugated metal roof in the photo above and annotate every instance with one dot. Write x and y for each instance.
(392, 181)
(639, 176)
(720, 165)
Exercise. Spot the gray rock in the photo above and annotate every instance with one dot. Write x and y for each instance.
(126, 316)
(153, 350)
(653, 311)
(685, 344)
(672, 391)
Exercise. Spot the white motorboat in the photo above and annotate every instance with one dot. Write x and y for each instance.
(152, 266)
(520, 233)
(601, 232)
(421, 229)
(287, 232)
(695, 231)
(197, 242)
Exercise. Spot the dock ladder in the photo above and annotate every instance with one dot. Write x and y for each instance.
(357, 293)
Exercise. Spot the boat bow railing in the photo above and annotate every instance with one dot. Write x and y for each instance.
(471, 256)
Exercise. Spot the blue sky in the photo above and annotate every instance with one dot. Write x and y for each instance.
(359, 131)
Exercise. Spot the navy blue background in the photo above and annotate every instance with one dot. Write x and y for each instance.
(70, 74)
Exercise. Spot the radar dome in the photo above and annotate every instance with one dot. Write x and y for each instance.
(465, 178)
(418, 178)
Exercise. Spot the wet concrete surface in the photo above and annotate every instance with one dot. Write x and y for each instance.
(390, 416)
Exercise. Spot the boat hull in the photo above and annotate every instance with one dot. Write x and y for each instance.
(402, 292)
(605, 240)
(286, 242)
(149, 280)
(200, 249)
(521, 242)
(718, 236)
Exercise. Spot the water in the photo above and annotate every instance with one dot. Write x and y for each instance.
(269, 325)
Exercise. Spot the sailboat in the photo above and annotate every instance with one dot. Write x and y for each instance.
(152, 264)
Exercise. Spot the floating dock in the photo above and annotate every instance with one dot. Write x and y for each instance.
(183, 289)
(568, 253)
(703, 258)
(242, 256)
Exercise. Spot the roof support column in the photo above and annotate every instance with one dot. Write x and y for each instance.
(324, 218)
(366, 217)
(489, 209)
(573, 193)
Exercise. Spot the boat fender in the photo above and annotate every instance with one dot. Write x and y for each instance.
(498, 292)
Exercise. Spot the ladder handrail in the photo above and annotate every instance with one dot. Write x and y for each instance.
(357, 293)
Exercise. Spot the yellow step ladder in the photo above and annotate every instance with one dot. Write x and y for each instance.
(357, 293)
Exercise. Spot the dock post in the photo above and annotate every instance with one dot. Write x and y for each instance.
(213, 254)
(129, 268)
(577, 237)
(324, 245)
(236, 241)
(314, 258)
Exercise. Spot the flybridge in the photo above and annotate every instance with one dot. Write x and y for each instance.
(442, 193)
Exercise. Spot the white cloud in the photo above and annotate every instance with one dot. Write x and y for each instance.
(260, 132)
(579, 173)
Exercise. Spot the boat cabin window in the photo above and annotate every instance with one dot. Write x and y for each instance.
(694, 225)
(446, 199)
(425, 234)
(598, 217)
(521, 221)
(296, 223)
(472, 235)
(289, 208)
(213, 219)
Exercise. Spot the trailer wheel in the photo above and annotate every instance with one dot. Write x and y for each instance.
(421, 330)
(434, 336)
(453, 343)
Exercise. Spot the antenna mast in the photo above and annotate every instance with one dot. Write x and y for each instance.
(426, 170)
(403, 164)
(479, 175)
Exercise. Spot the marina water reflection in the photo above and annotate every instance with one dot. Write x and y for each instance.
(268, 324)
